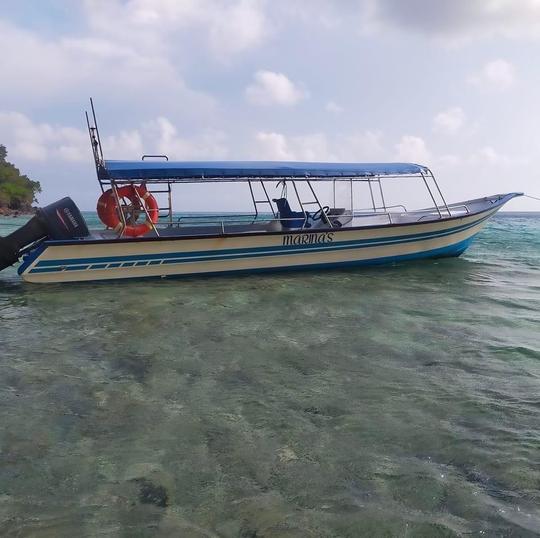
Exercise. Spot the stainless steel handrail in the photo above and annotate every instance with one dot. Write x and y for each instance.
(374, 209)
(452, 206)
(182, 217)
(240, 221)
(222, 224)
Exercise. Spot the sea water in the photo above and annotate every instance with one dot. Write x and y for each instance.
(386, 401)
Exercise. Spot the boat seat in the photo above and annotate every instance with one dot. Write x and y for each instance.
(288, 217)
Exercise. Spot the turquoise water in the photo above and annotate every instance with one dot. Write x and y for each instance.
(389, 401)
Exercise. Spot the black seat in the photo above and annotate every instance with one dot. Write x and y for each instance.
(290, 218)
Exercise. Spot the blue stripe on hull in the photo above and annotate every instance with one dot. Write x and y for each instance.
(451, 251)
(444, 252)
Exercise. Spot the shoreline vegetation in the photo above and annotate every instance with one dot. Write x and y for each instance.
(26, 212)
(17, 191)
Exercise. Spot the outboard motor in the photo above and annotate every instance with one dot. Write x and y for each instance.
(60, 220)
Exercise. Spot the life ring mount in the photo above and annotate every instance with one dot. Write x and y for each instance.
(131, 198)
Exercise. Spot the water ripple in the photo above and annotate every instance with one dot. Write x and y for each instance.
(389, 401)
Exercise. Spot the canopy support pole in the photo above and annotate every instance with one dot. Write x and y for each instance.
(314, 202)
(381, 191)
(431, 194)
(371, 193)
(301, 205)
(440, 193)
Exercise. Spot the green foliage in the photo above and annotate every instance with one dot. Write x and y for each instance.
(17, 191)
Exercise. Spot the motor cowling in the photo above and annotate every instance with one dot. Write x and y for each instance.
(60, 220)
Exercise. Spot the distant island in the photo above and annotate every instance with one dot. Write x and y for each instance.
(17, 191)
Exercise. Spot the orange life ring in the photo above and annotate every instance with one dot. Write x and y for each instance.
(107, 209)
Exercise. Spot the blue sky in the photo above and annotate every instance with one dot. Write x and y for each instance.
(452, 84)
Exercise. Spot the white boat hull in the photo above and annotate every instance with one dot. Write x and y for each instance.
(87, 260)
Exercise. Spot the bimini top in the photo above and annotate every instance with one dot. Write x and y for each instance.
(244, 170)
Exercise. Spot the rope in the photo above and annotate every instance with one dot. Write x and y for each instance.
(532, 197)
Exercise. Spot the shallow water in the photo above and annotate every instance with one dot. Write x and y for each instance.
(388, 401)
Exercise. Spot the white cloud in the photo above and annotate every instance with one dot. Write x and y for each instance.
(226, 28)
(361, 146)
(129, 46)
(497, 74)
(322, 14)
(310, 147)
(271, 88)
(274, 146)
(449, 160)
(161, 136)
(36, 61)
(41, 141)
(333, 107)
(355, 147)
(30, 141)
(61, 68)
(449, 121)
(127, 144)
(240, 27)
(488, 155)
(413, 148)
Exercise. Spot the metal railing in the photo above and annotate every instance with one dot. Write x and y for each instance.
(201, 221)
(226, 223)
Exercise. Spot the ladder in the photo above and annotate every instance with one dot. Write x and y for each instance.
(265, 201)
(164, 212)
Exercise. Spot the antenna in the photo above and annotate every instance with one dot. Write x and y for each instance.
(96, 127)
(95, 141)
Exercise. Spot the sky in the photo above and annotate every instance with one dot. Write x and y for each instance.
(451, 84)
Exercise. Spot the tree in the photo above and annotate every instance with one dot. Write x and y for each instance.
(17, 191)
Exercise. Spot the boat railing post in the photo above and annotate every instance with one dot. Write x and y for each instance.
(431, 194)
(440, 193)
(352, 202)
(329, 222)
(170, 203)
(381, 191)
(300, 202)
(371, 193)
(253, 198)
(268, 198)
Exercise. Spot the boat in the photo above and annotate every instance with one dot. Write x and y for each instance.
(298, 229)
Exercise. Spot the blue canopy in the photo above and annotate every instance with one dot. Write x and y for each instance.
(243, 170)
